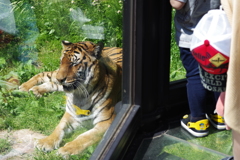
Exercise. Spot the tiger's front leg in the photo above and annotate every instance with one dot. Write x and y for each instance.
(45, 88)
(90, 137)
(67, 124)
(46, 79)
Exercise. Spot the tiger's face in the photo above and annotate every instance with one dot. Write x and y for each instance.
(78, 62)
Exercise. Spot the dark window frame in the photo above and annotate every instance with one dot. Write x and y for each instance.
(147, 94)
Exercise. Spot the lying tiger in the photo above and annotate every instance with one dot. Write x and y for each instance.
(90, 75)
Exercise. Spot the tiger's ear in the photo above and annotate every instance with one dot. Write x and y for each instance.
(66, 44)
(98, 50)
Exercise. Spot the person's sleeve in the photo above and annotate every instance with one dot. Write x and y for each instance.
(184, 1)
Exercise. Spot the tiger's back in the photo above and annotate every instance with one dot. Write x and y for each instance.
(115, 54)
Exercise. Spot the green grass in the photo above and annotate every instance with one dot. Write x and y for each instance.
(5, 146)
(177, 70)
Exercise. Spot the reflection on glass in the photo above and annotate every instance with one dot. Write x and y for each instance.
(177, 144)
(7, 17)
(31, 33)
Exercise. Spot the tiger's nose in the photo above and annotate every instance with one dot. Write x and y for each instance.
(61, 80)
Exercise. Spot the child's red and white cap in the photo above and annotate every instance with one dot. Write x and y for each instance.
(210, 46)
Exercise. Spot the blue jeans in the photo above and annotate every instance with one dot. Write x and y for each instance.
(197, 94)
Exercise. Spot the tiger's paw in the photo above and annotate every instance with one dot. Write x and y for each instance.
(47, 144)
(24, 87)
(70, 148)
(38, 91)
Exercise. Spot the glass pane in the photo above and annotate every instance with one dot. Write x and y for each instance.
(177, 70)
(177, 144)
(31, 35)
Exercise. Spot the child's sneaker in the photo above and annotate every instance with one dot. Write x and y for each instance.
(197, 129)
(217, 121)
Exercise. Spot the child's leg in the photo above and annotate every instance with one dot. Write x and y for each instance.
(196, 93)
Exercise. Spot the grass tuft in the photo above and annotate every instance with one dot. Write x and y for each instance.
(5, 146)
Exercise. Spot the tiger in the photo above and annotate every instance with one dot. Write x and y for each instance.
(90, 75)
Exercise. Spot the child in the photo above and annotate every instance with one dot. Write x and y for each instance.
(188, 14)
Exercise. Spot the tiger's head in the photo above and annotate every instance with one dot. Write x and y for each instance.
(78, 64)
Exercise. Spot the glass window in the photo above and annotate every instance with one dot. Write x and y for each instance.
(31, 35)
(177, 70)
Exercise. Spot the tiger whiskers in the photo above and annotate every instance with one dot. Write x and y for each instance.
(84, 89)
(81, 88)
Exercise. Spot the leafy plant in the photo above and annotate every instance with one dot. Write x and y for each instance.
(2, 62)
